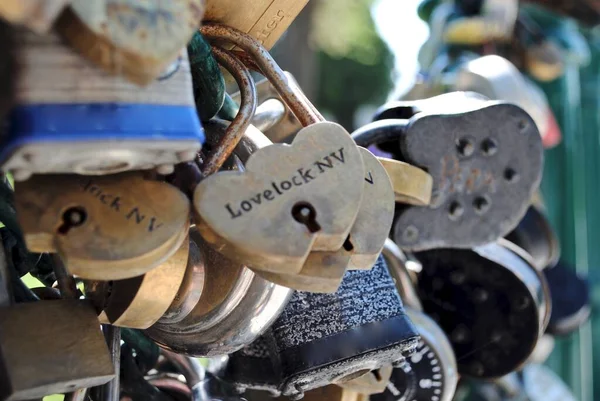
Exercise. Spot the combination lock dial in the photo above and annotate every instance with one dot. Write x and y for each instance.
(430, 373)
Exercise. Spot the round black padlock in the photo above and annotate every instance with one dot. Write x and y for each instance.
(490, 301)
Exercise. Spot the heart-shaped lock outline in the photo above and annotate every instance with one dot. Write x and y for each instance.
(230, 227)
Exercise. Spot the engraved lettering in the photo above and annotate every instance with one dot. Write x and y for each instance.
(233, 214)
(136, 212)
(320, 165)
(115, 204)
(94, 190)
(300, 177)
(151, 226)
(276, 189)
(256, 199)
(305, 176)
(270, 26)
(369, 179)
(246, 206)
(103, 197)
(341, 158)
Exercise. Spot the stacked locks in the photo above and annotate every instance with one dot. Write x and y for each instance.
(275, 254)
(105, 102)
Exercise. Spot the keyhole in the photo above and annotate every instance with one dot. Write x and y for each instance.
(348, 244)
(72, 217)
(305, 213)
(377, 375)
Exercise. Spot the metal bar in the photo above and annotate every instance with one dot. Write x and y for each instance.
(238, 126)
(66, 282)
(111, 390)
(302, 109)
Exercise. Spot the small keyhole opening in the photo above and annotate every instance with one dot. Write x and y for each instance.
(72, 217)
(305, 213)
(348, 245)
(377, 375)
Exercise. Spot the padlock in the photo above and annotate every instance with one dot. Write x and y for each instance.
(84, 121)
(411, 184)
(570, 294)
(234, 309)
(71, 354)
(495, 22)
(323, 271)
(191, 288)
(301, 186)
(264, 20)
(132, 38)
(492, 304)
(485, 158)
(105, 228)
(51, 347)
(498, 79)
(37, 15)
(543, 59)
(328, 338)
(430, 373)
(535, 235)
(138, 302)
(364, 243)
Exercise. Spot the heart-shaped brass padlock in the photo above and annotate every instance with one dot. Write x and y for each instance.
(291, 200)
(323, 271)
(105, 228)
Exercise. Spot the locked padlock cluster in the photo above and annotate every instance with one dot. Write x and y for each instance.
(171, 220)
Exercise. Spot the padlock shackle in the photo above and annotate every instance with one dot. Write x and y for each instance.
(238, 126)
(378, 132)
(396, 261)
(300, 106)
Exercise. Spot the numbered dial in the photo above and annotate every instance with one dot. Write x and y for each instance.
(430, 373)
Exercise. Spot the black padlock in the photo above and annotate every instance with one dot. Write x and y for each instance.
(328, 338)
(485, 158)
(535, 235)
(571, 306)
(491, 302)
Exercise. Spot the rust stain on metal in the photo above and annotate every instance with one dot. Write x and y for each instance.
(299, 105)
(240, 123)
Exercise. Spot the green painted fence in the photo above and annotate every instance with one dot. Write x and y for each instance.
(571, 188)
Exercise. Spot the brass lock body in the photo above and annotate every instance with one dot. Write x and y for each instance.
(265, 20)
(138, 302)
(50, 347)
(105, 228)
